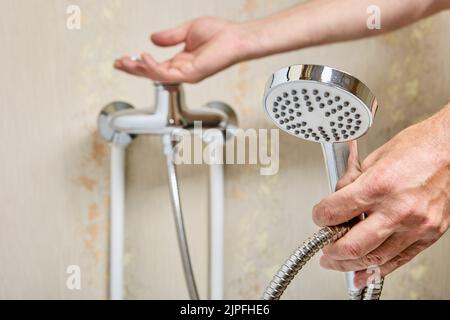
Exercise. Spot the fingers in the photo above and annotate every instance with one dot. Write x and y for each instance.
(162, 72)
(405, 256)
(149, 68)
(353, 157)
(393, 246)
(130, 66)
(171, 37)
(353, 166)
(342, 205)
(154, 70)
(363, 238)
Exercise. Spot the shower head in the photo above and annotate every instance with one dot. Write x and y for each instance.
(319, 103)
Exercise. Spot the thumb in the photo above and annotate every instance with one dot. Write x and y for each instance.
(353, 166)
(171, 37)
(343, 205)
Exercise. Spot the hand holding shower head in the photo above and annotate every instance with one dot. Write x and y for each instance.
(319, 104)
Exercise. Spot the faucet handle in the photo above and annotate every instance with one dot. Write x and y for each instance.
(230, 124)
(104, 123)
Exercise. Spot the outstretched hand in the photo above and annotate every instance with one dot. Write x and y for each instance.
(211, 44)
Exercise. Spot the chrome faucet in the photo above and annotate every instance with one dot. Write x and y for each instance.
(119, 123)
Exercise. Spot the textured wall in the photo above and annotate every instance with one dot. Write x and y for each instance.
(54, 168)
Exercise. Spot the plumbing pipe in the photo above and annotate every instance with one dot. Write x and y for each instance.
(117, 201)
(216, 209)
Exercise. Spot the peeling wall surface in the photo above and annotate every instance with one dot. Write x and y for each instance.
(54, 169)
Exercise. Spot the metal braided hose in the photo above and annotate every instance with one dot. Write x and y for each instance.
(303, 254)
(373, 290)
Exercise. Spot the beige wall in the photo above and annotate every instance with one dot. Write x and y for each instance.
(54, 168)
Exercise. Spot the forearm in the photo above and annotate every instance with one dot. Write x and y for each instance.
(327, 21)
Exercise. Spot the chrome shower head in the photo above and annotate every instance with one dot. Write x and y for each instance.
(319, 103)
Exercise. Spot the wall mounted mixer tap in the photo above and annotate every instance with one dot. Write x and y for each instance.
(119, 123)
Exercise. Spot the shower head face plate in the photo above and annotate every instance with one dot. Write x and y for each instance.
(319, 104)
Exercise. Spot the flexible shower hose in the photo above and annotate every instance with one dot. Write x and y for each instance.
(288, 270)
(179, 221)
(303, 254)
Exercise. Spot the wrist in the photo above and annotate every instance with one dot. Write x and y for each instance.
(251, 43)
(440, 124)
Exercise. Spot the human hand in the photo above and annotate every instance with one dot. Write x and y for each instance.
(211, 44)
(404, 188)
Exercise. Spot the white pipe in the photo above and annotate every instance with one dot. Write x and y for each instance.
(117, 203)
(216, 203)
